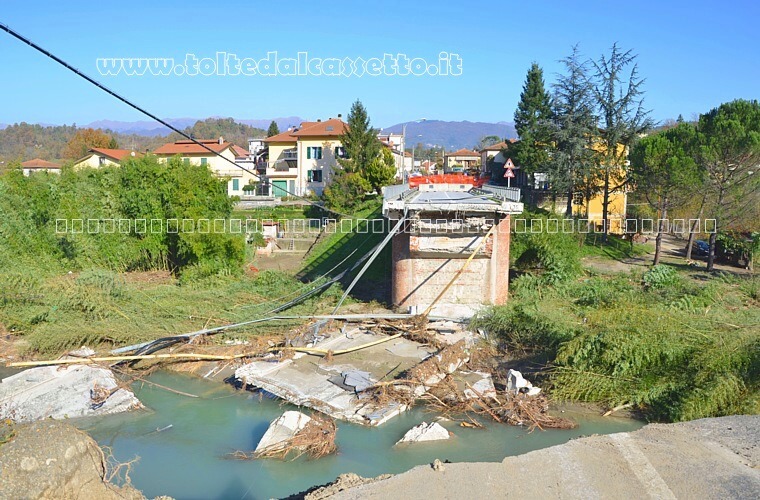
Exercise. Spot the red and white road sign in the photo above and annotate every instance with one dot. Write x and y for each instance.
(509, 174)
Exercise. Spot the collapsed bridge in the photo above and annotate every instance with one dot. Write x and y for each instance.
(452, 231)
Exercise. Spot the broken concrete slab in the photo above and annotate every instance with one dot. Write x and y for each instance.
(317, 383)
(516, 383)
(281, 431)
(61, 392)
(310, 381)
(425, 432)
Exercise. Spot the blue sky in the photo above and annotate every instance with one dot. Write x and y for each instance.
(694, 55)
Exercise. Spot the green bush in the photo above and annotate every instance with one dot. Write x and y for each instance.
(554, 256)
(661, 276)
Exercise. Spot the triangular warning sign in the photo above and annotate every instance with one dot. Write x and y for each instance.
(508, 174)
(509, 163)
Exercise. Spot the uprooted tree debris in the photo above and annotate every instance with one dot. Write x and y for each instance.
(292, 435)
(432, 382)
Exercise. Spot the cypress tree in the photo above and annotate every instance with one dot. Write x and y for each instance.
(273, 129)
(532, 119)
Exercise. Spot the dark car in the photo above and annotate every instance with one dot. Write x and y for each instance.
(701, 247)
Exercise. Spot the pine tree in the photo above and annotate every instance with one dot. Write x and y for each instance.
(532, 119)
(273, 129)
(574, 130)
(730, 154)
(664, 169)
(619, 99)
(359, 140)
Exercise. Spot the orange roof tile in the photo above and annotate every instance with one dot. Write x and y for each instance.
(328, 128)
(39, 163)
(463, 152)
(186, 147)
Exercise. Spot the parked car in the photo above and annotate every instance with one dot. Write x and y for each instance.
(701, 248)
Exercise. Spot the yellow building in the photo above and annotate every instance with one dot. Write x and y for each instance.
(104, 157)
(302, 160)
(222, 164)
(617, 198)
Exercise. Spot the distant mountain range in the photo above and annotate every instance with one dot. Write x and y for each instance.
(151, 129)
(449, 134)
(452, 135)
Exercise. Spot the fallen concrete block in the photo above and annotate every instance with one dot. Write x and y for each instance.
(482, 388)
(281, 432)
(425, 432)
(516, 383)
(63, 392)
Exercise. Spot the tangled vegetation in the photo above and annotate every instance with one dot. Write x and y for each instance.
(672, 345)
(60, 290)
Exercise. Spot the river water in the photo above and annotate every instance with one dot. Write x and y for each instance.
(188, 460)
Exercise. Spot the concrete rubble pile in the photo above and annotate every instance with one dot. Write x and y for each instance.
(61, 392)
(338, 387)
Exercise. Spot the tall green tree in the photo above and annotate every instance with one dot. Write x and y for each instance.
(730, 154)
(664, 169)
(359, 140)
(273, 129)
(532, 122)
(363, 169)
(619, 98)
(573, 158)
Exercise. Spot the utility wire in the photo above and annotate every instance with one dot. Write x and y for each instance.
(132, 105)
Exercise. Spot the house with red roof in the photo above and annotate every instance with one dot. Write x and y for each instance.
(40, 165)
(222, 157)
(104, 157)
(302, 159)
(461, 160)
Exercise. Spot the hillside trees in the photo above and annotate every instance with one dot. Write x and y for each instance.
(87, 138)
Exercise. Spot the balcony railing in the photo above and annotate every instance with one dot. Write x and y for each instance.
(290, 154)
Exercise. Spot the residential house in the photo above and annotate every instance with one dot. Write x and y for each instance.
(462, 160)
(222, 160)
(40, 165)
(302, 160)
(104, 157)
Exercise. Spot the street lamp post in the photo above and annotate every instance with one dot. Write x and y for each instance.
(403, 147)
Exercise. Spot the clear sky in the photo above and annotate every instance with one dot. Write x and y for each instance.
(694, 54)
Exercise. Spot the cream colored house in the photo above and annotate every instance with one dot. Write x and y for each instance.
(39, 165)
(104, 157)
(463, 160)
(302, 160)
(222, 163)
